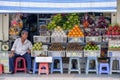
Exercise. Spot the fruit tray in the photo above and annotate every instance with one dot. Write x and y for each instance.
(74, 53)
(56, 53)
(91, 53)
(58, 39)
(113, 53)
(38, 53)
(94, 38)
(45, 39)
(73, 39)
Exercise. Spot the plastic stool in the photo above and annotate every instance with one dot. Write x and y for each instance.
(61, 65)
(1, 68)
(104, 65)
(43, 68)
(23, 62)
(96, 65)
(35, 69)
(111, 65)
(70, 69)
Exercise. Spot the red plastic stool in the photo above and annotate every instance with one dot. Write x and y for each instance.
(1, 68)
(43, 68)
(23, 62)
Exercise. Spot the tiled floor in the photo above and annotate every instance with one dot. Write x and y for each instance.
(57, 76)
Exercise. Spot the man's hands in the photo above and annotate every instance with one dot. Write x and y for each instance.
(29, 51)
(11, 54)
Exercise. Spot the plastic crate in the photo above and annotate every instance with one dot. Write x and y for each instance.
(58, 39)
(113, 54)
(56, 53)
(91, 53)
(74, 53)
(93, 38)
(45, 39)
(75, 39)
(37, 53)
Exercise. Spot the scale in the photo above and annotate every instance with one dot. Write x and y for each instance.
(4, 45)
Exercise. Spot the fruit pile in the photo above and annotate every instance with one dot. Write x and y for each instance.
(76, 32)
(113, 30)
(74, 47)
(91, 46)
(58, 32)
(56, 47)
(66, 21)
(102, 23)
(37, 46)
(87, 20)
(92, 32)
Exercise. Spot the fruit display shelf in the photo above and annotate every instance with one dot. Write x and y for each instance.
(44, 39)
(92, 53)
(112, 53)
(76, 39)
(56, 53)
(74, 53)
(93, 38)
(60, 39)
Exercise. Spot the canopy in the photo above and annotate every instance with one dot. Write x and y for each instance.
(57, 6)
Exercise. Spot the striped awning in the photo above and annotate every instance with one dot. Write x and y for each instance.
(57, 6)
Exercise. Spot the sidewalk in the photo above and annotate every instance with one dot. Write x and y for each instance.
(23, 76)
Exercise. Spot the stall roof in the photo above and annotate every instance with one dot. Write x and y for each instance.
(57, 6)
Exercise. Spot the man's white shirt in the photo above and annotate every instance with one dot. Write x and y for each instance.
(20, 48)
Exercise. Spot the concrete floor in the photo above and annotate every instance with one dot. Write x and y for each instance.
(57, 76)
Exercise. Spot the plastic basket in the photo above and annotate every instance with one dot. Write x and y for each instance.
(91, 53)
(93, 38)
(56, 53)
(45, 39)
(37, 53)
(114, 53)
(114, 43)
(111, 37)
(58, 39)
(74, 53)
(73, 39)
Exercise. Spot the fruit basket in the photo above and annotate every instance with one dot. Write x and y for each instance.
(58, 39)
(113, 53)
(75, 39)
(74, 53)
(39, 53)
(93, 38)
(45, 39)
(91, 53)
(56, 53)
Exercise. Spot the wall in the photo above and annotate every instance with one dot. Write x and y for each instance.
(4, 26)
(118, 12)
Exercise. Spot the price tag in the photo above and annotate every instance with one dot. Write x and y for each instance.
(74, 54)
(75, 39)
(93, 38)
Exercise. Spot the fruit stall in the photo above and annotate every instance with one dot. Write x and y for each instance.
(67, 36)
(86, 39)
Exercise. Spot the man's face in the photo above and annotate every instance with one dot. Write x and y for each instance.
(25, 35)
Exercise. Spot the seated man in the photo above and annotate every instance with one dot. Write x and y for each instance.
(21, 47)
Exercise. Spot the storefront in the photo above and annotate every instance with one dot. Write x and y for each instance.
(36, 7)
